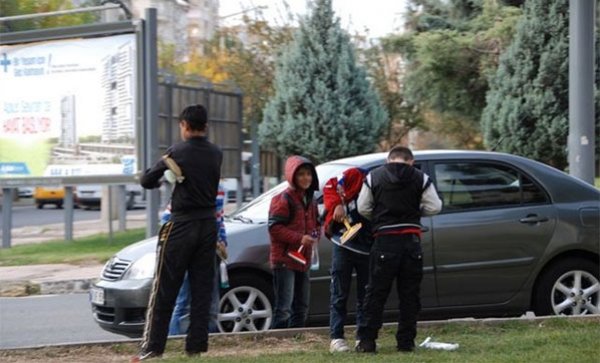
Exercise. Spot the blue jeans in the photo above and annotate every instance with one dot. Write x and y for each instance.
(182, 307)
(292, 295)
(343, 263)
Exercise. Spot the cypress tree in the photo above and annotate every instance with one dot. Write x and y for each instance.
(323, 107)
(527, 105)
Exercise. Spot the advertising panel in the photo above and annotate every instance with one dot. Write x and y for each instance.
(68, 107)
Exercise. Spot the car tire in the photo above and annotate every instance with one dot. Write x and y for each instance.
(246, 305)
(59, 205)
(568, 287)
(40, 205)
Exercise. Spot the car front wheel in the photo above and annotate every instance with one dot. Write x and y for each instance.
(246, 305)
(570, 287)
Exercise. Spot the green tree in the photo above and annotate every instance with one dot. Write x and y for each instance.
(384, 69)
(22, 7)
(450, 49)
(323, 106)
(527, 105)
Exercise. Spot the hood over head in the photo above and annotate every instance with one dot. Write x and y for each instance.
(400, 173)
(291, 166)
(352, 182)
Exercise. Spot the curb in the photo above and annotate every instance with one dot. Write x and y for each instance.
(18, 288)
(66, 287)
(21, 288)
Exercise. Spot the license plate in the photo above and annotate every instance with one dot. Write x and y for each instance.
(97, 295)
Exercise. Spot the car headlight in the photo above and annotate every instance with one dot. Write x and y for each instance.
(142, 268)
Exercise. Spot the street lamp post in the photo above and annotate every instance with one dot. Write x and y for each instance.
(581, 141)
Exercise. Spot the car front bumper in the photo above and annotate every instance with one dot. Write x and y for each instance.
(123, 309)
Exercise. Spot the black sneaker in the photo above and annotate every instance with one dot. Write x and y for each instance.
(366, 346)
(143, 355)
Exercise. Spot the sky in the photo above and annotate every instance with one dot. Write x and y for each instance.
(381, 17)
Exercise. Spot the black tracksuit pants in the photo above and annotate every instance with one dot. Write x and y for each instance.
(394, 257)
(182, 246)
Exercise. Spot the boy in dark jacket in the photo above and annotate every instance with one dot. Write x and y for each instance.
(339, 196)
(293, 222)
(187, 241)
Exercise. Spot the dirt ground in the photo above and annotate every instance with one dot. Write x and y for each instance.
(219, 346)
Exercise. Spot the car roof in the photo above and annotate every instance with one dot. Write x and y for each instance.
(546, 175)
(423, 154)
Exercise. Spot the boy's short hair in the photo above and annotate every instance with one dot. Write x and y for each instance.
(196, 117)
(401, 152)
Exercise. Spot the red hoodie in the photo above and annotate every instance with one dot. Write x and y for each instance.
(352, 180)
(290, 218)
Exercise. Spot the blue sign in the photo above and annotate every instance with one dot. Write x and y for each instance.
(15, 168)
(4, 62)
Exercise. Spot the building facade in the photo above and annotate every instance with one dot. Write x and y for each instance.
(182, 24)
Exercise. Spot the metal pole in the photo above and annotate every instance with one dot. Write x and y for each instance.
(151, 107)
(581, 142)
(255, 159)
(7, 199)
(122, 198)
(239, 194)
(69, 213)
(60, 12)
(110, 219)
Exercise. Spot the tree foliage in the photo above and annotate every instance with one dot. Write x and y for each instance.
(386, 73)
(450, 49)
(527, 106)
(241, 58)
(22, 7)
(323, 106)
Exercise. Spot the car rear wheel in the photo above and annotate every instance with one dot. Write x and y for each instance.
(569, 287)
(246, 305)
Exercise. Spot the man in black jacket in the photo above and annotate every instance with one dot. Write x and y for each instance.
(393, 197)
(187, 241)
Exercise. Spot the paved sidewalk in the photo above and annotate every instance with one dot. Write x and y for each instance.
(56, 278)
(47, 279)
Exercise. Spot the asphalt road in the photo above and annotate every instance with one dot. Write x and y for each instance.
(49, 319)
(26, 214)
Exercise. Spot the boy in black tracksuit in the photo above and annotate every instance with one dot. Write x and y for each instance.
(187, 241)
(393, 197)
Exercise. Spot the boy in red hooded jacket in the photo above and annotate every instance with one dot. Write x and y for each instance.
(293, 222)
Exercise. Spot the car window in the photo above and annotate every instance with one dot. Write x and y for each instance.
(469, 185)
(258, 209)
(532, 193)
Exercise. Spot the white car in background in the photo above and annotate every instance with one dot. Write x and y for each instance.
(25, 192)
(90, 196)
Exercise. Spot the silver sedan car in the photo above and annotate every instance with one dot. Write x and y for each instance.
(514, 235)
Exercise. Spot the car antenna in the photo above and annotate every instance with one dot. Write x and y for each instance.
(497, 144)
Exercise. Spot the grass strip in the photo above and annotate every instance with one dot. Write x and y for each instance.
(550, 340)
(91, 249)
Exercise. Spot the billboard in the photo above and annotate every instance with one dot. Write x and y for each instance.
(68, 106)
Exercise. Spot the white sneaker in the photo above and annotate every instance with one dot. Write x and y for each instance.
(338, 345)
(356, 343)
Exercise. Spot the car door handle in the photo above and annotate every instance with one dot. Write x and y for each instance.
(424, 229)
(533, 219)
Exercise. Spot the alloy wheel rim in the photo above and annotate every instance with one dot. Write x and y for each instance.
(576, 292)
(244, 308)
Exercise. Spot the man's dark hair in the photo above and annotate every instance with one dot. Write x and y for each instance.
(196, 117)
(400, 152)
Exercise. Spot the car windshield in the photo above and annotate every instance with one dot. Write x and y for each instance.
(257, 211)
